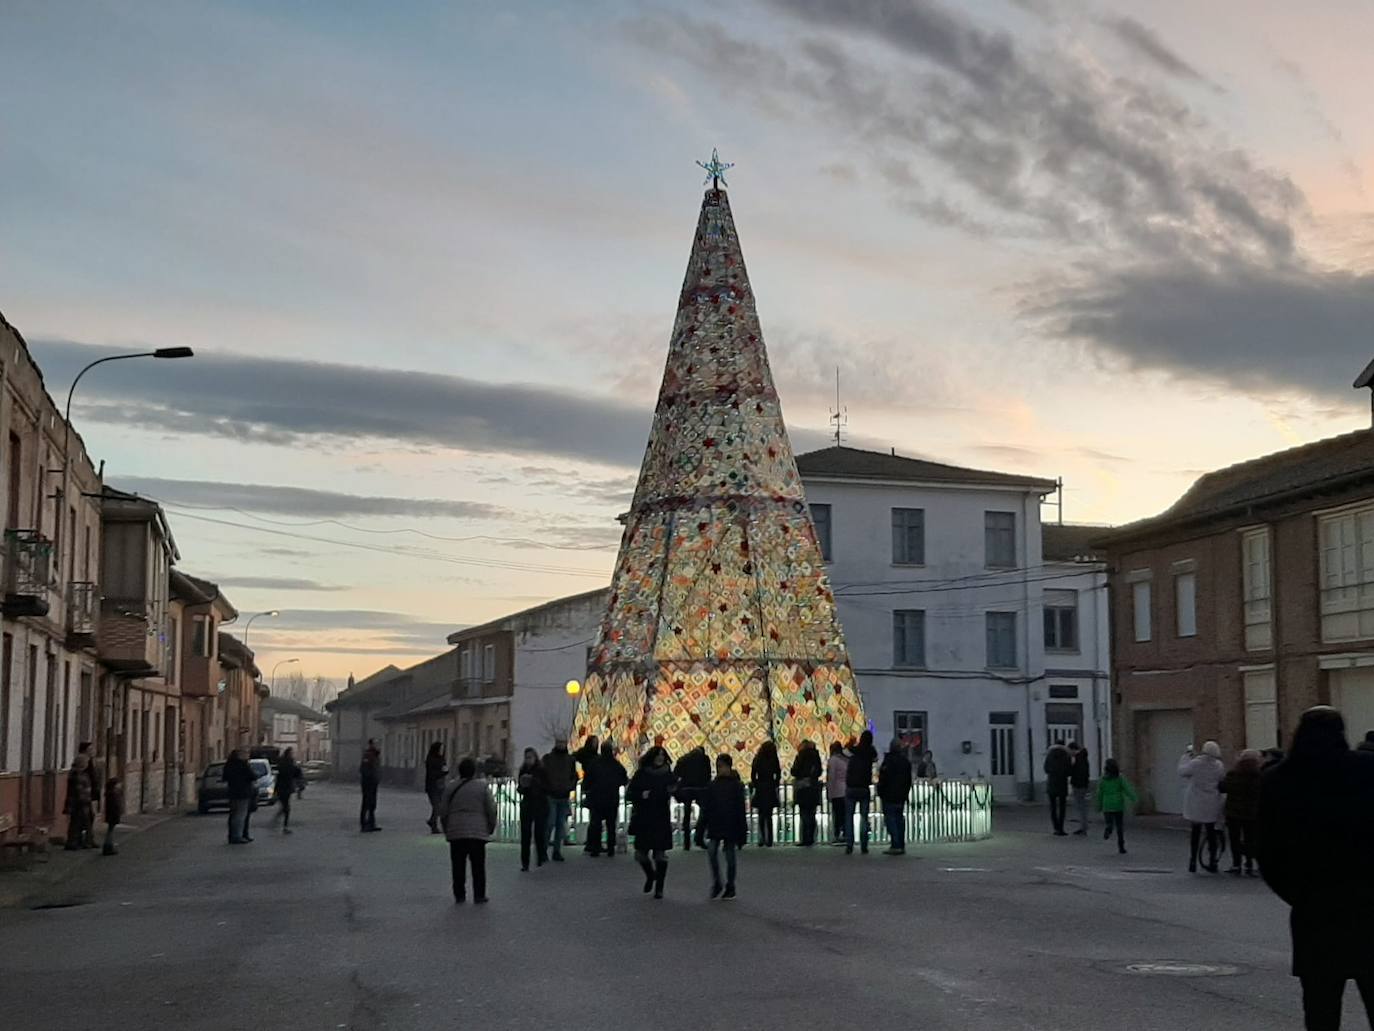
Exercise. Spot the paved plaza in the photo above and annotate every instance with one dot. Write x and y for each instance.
(331, 929)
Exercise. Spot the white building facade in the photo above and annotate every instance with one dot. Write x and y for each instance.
(974, 632)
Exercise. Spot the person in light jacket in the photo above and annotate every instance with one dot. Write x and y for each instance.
(469, 816)
(1202, 801)
(836, 770)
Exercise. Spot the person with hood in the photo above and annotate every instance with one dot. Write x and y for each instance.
(925, 769)
(1202, 804)
(1241, 786)
(560, 774)
(82, 794)
(1113, 793)
(532, 785)
(894, 787)
(587, 757)
(858, 780)
(436, 769)
(469, 816)
(289, 779)
(836, 774)
(651, 820)
(693, 772)
(765, 778)
(238, 775)
(806, 789)
(601, 787)
(1080, 776)
(1058, 766)
(1315, 850)
(370, 778)
(114, 812)
(726, 823)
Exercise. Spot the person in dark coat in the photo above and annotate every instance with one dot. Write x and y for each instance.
(894, 787)
(290, 777)
(1058, 767)
(726, 822)
(532, 785)
(925, 769)
(1316, 847)
(1080, 776)
(436, 769)
(370, 778)
(859, 790)
(764, 779)
(114, 812)
(693, 772)
(806, 789)
(240, 781)
(82, 794)
(560, 770)
(587, 757)
(1242, 789)
(651, 819)
(601, 788)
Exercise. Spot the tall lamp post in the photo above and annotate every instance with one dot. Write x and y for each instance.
(283, 662)
(255, 615)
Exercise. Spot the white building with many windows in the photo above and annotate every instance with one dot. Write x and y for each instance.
(975, 632)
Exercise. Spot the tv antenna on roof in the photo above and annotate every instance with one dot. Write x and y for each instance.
(839, 415)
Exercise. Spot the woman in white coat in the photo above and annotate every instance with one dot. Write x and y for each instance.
(1202, 800)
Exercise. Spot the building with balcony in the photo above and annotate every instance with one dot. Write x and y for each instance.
(197, 610)
(240, 695)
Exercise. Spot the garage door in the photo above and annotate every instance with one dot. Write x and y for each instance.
(1168, 732)
(1352, 691)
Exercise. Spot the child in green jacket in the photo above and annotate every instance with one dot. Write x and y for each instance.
(1113, 792)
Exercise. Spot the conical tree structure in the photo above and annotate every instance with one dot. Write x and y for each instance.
(721, 627)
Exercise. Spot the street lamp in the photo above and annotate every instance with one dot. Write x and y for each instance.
(255, 615)
(283, 662)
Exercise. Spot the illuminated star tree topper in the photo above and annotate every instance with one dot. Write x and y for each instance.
(715, 170)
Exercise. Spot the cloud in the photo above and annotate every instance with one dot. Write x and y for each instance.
(275, 583)
(369, 628)
(1146, 44)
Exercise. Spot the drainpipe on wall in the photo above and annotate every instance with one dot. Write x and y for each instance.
(1025, 632)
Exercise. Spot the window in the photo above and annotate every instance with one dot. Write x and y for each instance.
(1001, 628)
(1063, 723)
(1140, 608)
(1261, 710)
(200, 643)
(65, 718)
(909, 637)
(1061, 621)
(910, 728)
(999, 539)
(465, 664)
(488, 663)
(16, 480)
(1347, 575)
(1185, 604)
(820, 516)
(909, 536)
(1063, 691)
(1254, 557)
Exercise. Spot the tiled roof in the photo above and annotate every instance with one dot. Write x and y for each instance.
(853, 463)
(435, 703)
(290, 707)
(367, 689)
(1072, 542)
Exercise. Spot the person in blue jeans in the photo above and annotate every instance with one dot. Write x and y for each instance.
(561, 770)
(726, 824)
(859, 791)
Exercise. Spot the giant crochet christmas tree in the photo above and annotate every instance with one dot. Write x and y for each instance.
(721, 627)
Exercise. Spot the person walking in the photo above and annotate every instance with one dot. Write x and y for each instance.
(894, 787)
(858, 779)
(370, 778)
(925, 769)
(436, 769)
(727, 824)
(693, 772)
(806, 789)
(80, 803)
(241, 782)
(1315, 850)
(1202, 804)
(532, 785)
(114, 812)
(1113, 793)
(587, 757)
(1241, 786)
(1080, 776)
(836, 774)
(1058, 766)
(289, 781)
(560, 776)
(651, 821)
(469, 818)
(602, 789)
(765, 777)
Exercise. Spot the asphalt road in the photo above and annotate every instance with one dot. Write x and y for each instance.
(327, 928)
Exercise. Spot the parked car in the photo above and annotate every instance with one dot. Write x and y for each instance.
(213, 793)
(266, 781)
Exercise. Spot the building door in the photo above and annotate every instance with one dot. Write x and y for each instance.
(1352, 691)
(171, 760)
(1167, 734)
(1063, 723)
(1002, 749)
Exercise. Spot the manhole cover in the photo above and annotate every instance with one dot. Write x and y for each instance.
(1173, 968)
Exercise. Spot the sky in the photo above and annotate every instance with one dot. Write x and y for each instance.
(428, 256)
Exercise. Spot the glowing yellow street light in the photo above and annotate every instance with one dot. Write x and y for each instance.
(573, 688)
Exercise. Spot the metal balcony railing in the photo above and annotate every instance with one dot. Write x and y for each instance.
(28, 566)
(83, 605)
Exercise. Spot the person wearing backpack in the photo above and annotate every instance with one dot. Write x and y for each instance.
(469, 816)
(1113, 793)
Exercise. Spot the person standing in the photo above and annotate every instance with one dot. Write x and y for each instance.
(80, 804)
(858, 781)
(693, 772)
(726, 822)
(1315, 850)
(241, 782)
(436, 769)
(370, 778)
(806, 789)
(114, 812)
(765, 777)
(1202, 804)
(289, 780)
(532, 785)
(894, 787)
(1058, 765)
(1241, 786)
(1080, 776)
(560, 773)
(836, 775)
(925, 769)
(469, 818)
(587, 757)
(1113, 793)
(602, 787)
(651, 820)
